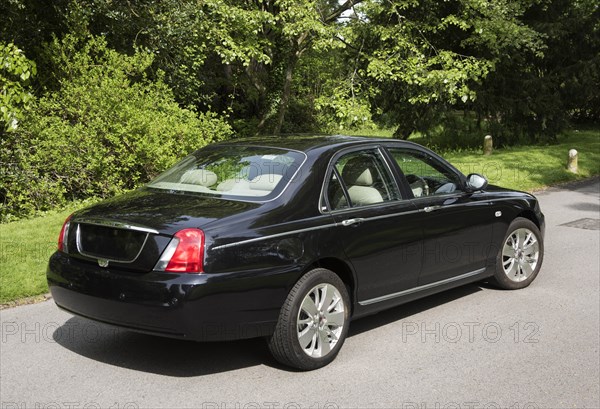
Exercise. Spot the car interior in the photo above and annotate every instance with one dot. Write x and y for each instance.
(360, 176)
(424, 178)
(365, 182)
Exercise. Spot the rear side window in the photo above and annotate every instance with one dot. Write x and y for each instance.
(232, 171)
(360, 178)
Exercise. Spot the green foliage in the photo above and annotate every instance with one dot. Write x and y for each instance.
(339, 110)
(16, 72)
(522, 70)
(106, 129)
(531, 97)
(426, 58)
(232, 56)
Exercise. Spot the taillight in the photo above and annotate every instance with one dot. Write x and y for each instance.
(64, 235)
(184, 254)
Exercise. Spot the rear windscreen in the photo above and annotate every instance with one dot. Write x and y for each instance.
(233, 171)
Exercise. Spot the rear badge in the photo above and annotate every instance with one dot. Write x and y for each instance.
(102, 262)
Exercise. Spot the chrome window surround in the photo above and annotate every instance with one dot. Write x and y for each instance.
(323, 203)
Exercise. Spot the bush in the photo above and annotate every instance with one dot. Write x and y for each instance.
(16, 72)
(106, 129)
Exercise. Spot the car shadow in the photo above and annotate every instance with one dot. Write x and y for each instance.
(180, 358)
(159, 355)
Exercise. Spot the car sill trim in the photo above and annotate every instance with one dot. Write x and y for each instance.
(420, 288)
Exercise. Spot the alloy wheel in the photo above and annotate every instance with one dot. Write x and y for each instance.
(520, 254)
(320, 321)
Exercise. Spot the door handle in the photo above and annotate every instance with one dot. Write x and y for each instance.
(350, 222)
(429, 209)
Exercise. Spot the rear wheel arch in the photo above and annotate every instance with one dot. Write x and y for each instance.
(342, 269)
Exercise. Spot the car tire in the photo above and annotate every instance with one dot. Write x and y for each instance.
(313, 322)
(520, 256)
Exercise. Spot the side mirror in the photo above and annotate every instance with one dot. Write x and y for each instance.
(476, 182)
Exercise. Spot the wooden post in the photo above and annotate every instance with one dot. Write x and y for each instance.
(488, 145)
(572, 161)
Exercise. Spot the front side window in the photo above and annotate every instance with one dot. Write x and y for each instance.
(424, 174)
(360, 178)
(236, 171)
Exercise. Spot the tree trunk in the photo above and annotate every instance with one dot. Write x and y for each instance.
(286, 92)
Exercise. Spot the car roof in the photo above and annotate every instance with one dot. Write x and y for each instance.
(307, 143)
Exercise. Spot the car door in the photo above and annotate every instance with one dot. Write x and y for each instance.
(379, 232)
(457, 225)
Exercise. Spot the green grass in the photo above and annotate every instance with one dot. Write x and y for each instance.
(25, 245)
(531, 168)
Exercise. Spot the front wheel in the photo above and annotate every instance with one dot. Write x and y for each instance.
(313, 322)
(520, 257)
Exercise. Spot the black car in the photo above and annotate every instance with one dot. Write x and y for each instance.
(290, 239)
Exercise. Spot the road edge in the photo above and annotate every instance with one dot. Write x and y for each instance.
(34, 299)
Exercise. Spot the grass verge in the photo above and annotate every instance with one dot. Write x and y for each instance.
(26, 245)
(531, 168)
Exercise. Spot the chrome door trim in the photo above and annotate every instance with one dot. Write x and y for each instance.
(324, 226)
(273, 236)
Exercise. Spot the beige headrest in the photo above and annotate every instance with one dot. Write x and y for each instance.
(267, 182)
(200, 177)
(357, 172)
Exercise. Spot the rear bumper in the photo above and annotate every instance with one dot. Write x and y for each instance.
(202, 307)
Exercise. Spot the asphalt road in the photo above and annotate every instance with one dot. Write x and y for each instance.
(474, 347)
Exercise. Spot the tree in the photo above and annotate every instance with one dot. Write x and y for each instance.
(427, 57)
(236, 56)
(532, 96)
(522, 68)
